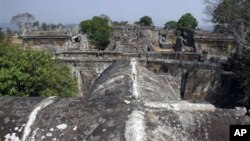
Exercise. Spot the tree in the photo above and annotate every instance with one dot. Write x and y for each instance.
(187, 22)
(36, 23)
(243, 75)
(98, 30)
(86, 26)
(23, 20)
(105, 17)
(145, 21)
(44, 27)
(33, 73)
(60, 25)
(233, 17)
(171, 25)
(53, 26)
(1, 36)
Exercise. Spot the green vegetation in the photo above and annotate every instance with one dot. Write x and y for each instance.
(1, 36)
(233, 17)
(98, 30)
(186, 23)
(243, 75)
(24, 72)
(184, 27)
(145, 21)
(171, 25)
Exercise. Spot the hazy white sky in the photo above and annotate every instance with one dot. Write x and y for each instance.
(74, 11)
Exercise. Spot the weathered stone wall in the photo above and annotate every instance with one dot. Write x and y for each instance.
(193, 82)
(200, 83)
(106, 55)
(126, 103)
(215, 45)
(55, 41)
(89, 65)
(41, 41)
(86, 72)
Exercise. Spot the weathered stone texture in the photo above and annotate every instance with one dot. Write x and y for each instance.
(127, 102)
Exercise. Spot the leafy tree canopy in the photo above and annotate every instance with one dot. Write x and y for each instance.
(228, 12)
(98, 30)
(233, 17)
(187, 22)
(33, 73)
(23, 19)
(145, 21)
(243, 74)
(171, 25)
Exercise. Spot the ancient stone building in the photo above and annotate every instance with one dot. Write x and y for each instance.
(211, 44)
(214, 45)
(167, 39)
(135, 90)
(55, 40)
(39, 38)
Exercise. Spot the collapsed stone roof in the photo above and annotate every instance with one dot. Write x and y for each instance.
(126, 103)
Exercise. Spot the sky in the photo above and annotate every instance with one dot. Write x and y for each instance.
(74, 11)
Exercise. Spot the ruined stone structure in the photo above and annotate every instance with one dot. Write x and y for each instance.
(45, 38)
(77, 42)
(125, 39)
(137, 89)
(184, 70)
(167, 39)
(214, 45)
(126, 103)
(55, 41)
(154, 49)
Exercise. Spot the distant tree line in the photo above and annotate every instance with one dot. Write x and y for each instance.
(28, 21)
(47, 27)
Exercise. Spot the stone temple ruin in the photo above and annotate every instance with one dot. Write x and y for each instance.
(56, 41)
(138, 89)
